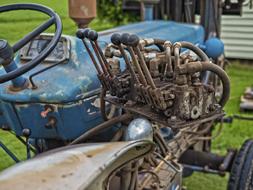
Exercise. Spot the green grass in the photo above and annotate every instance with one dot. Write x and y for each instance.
(16, 24)
(233, 135)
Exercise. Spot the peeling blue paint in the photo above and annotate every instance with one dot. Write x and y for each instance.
(72, 87)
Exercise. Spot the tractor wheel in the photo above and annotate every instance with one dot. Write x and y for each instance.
(241, 175)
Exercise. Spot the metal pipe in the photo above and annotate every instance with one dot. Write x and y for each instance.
(92, 57)
(13, 157)
(133, 183)
(176, 51)
(145, 68)
(137, 65)
(103, 58)
(104, 68)
(203, 169)
(206, 66)
(226, 164)
(99, 128)
(195, 49)
(126, 176)
(168, 67)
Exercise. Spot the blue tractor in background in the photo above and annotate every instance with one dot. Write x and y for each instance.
(144, 98)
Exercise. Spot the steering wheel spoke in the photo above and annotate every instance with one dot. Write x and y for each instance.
(21, 43)
(13, 72)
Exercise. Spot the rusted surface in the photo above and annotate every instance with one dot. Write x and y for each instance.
(82, 11)
(164, 85)
(75, 167)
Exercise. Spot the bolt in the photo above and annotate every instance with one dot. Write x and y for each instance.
(173, 118)
(26, 132)
(46, 111)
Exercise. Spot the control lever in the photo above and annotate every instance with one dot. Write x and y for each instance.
(154, 94)
(133, 41)
(81, 33)
(27, 132)
(93, 36)
(124, 40)
(116, 40)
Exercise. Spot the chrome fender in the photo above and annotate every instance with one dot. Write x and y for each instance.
(77, 167)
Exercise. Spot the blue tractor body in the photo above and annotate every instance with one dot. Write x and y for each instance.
(72, 88)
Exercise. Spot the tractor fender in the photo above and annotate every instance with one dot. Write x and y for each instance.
(77, 167)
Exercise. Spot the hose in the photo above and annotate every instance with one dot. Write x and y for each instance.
(157, 42)
(88, 134)
(207, 66)
(195, 49)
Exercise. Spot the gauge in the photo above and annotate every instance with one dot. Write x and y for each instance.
(35, 47)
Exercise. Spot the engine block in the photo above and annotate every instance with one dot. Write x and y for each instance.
(158, 80)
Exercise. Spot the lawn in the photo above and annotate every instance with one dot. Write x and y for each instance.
(15, 25)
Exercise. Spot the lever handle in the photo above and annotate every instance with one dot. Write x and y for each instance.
(116, 39)
(133, 40)
(124, 38)
(93, 35)
(82, 33)
(79, 34)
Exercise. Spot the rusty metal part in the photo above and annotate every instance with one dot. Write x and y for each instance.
(82, 11)
(165, 172)
(145, 68)
(137, 65)
(202, 159)
(164, 86)
(104, 68)
(103, 58)
(228, 160)
(168, 67)
(101, 127)
(129, 64)
(174, 123)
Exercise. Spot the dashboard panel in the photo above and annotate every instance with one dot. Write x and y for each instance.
(60, 53)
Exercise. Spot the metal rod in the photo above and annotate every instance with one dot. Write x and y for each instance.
(128, 64)
(101, 127)
(23, 142)
(203, 169)
(145, 68)
(92, 56)
(168, 66)
(104, 68)
(242, 117)
(137, 65)
(103, 58)
(13, 157)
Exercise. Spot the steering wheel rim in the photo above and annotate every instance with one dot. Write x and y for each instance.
(54, 19)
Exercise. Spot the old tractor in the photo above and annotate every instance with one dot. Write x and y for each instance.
(130, 108)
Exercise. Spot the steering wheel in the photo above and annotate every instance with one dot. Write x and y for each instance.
(7, 52)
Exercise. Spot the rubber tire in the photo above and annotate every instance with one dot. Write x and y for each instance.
(241, 175)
